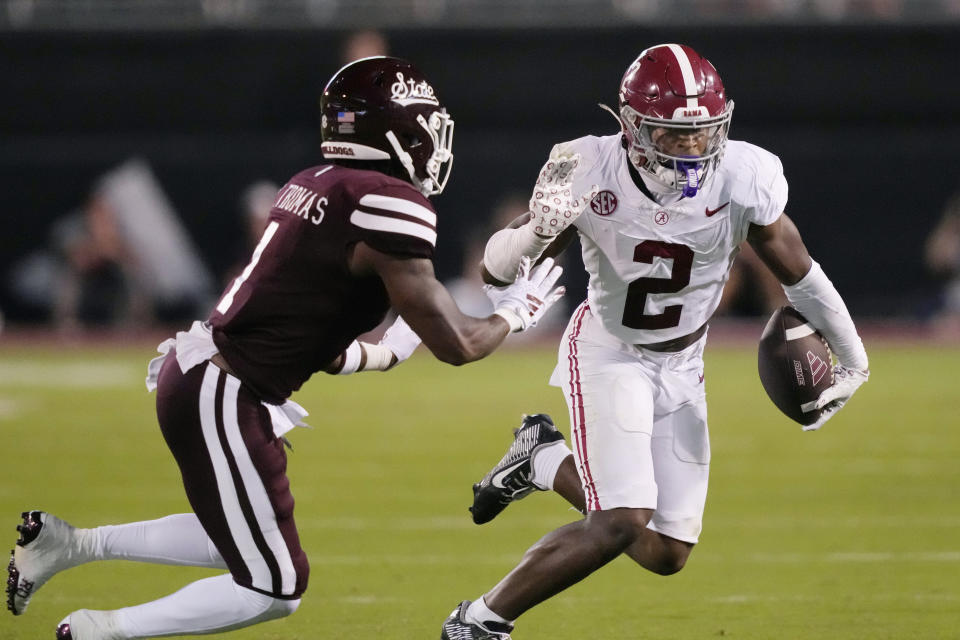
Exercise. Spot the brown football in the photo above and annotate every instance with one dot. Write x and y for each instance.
(794, 363)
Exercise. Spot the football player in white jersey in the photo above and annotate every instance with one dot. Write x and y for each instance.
(661, 209)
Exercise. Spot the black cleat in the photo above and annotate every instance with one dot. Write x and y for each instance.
(456, 627)
(512, 478)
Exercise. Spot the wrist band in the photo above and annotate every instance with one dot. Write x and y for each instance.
(352, 358)
(516, 324)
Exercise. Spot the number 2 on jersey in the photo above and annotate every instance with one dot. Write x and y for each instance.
(633, 308)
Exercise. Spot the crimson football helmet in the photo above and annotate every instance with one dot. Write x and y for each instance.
(382, 108)
(670, 92)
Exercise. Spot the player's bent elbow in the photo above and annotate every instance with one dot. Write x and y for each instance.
(460, 352)
(458, 356)
(456, 359)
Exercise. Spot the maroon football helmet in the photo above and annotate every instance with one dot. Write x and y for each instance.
(670, 89)
(382, 108)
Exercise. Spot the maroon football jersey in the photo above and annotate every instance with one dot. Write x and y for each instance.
(296, 305)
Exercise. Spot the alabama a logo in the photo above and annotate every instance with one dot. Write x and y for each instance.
(407, 91)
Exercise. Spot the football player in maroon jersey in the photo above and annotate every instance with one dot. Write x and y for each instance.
(345, 241)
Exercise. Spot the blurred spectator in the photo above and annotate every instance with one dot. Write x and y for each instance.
(97, 284)
(80, 278)
(942, 258)
(256, 201)
(121, 258)
(363, 44)
(837, 10)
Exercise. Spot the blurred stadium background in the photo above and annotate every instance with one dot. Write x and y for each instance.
(187, 107)
(859, 99)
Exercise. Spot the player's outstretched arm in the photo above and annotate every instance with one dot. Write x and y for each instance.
(811, 293)
(425, 304)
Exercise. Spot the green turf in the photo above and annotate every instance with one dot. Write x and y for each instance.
(850, 532)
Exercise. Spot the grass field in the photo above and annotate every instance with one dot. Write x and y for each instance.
(850, 532)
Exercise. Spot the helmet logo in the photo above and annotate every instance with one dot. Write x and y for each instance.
(337, 150)
(406, 92)
(691, 112)
(604, 203)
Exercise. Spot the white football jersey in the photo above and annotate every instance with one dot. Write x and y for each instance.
(657, 271)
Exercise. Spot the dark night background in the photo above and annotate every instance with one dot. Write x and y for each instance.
(864, 118)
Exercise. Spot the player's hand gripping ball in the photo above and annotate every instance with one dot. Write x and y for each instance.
(795, 365)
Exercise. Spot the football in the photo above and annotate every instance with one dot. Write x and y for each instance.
(795, 364)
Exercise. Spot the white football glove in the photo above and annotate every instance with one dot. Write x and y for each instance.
(845, 382)
(400, 339)
(525, 301)
(552, 205)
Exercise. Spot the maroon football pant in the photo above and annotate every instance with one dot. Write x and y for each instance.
(234, 474)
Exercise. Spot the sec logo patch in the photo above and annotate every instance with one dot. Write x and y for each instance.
(604, 203)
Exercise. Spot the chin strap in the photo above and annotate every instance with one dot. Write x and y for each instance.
(426, 187)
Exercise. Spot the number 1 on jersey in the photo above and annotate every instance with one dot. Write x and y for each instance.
(634, 316)
(227, 300)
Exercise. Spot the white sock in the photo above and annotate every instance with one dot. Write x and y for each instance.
(178, 540)
(479, 613)
(546, 461)
(210, 605)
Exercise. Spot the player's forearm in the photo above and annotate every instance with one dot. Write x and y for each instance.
(452, 336)
(467, 341)
(817, 299)
(505, 248)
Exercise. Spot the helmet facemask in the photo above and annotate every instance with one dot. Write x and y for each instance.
(647, 135)
(436, 168)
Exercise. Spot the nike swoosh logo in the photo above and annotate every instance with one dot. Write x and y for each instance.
(497, 480)
(710, 211)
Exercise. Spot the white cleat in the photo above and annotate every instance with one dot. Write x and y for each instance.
(85, 624)
(47, 545)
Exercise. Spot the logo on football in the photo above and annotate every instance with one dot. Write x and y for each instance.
(795, 364)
